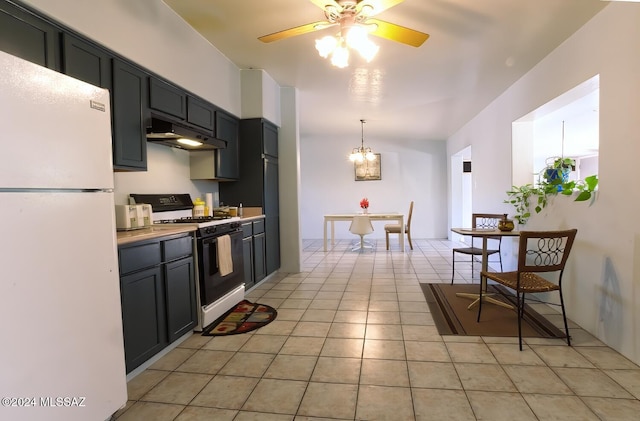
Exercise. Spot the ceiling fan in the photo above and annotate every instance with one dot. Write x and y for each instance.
(355, 13)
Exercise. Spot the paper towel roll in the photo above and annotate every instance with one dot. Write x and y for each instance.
(208, 199)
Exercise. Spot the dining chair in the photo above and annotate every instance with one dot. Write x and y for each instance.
(486, 221)
(361, 225)
(538, 252)
(397, 229)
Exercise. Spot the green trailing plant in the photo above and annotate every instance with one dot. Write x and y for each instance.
(550, 185)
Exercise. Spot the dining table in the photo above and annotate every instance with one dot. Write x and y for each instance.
(485, 234)
(388, 216)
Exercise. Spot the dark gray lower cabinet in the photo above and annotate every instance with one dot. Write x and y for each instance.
(181, 297)
(259, 262)
(158, 295)
(247, 255)
(253, 243)
(143, 316)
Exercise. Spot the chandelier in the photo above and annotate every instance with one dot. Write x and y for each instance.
(353, 34)
(361, 154)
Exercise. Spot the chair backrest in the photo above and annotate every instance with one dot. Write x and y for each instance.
(361, 225)
(544, 251)
(487, 221)
(409, 217)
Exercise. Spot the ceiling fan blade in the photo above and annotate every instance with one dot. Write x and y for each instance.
(298, 30)
(377, 6)
(397, 33)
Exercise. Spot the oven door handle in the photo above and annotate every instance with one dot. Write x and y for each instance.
(211, 245)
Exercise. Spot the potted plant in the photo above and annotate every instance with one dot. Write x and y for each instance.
(553, 179)
(558, 168)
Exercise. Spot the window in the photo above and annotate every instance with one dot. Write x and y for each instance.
(567, 126)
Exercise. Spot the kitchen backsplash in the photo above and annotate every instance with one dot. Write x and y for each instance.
(167, 172)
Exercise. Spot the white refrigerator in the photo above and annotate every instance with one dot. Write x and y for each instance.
(62, 353)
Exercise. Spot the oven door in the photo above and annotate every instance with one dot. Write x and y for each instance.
(213, 285)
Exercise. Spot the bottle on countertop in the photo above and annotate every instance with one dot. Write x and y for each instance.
(198, 208)
(240, 210)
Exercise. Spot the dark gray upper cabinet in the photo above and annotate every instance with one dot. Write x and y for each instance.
(86, 62)
(227, 166)
(167, 98)
(27, 36)
(270, 139)
(201, 114)
(129, 119)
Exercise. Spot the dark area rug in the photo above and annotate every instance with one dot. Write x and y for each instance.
(452, 317)
(244, 317)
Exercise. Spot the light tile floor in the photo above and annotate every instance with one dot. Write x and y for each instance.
(354, 340)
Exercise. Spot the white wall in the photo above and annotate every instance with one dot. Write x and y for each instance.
(603, 273)
(410, 171)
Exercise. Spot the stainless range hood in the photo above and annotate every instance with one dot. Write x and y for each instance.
(179, 136)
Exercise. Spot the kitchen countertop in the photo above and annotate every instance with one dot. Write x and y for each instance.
(126, 237)
(251, 218)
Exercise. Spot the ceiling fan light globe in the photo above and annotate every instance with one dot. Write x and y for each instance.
(340, 57)
(326, 45)
(368, 50)
(356, 36)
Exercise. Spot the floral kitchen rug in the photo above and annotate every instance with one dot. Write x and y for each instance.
(244, 317)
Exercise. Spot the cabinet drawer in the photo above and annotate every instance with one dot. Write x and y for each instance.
(139, 257)
(177, 247)
(258, 227)
(247, 230)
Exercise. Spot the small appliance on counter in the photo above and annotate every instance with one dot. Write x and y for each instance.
(131, 217)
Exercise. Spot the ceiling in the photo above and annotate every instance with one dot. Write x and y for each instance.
(475, 51)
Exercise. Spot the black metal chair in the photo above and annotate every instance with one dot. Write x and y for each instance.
(481, 220)
(538, 251)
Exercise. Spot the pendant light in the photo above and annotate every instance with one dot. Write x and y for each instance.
(362, 154)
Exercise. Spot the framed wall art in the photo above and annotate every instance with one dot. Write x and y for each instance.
(368, 170)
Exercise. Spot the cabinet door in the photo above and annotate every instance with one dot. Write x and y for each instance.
(181, 297)
(129, 130)
(270, 139)
(247, 252)
(272, 212)
(83, 61)
(143, 316)
(227, 159)
(29, 37)
(167, 98)
(259, 254)
(201, 114)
